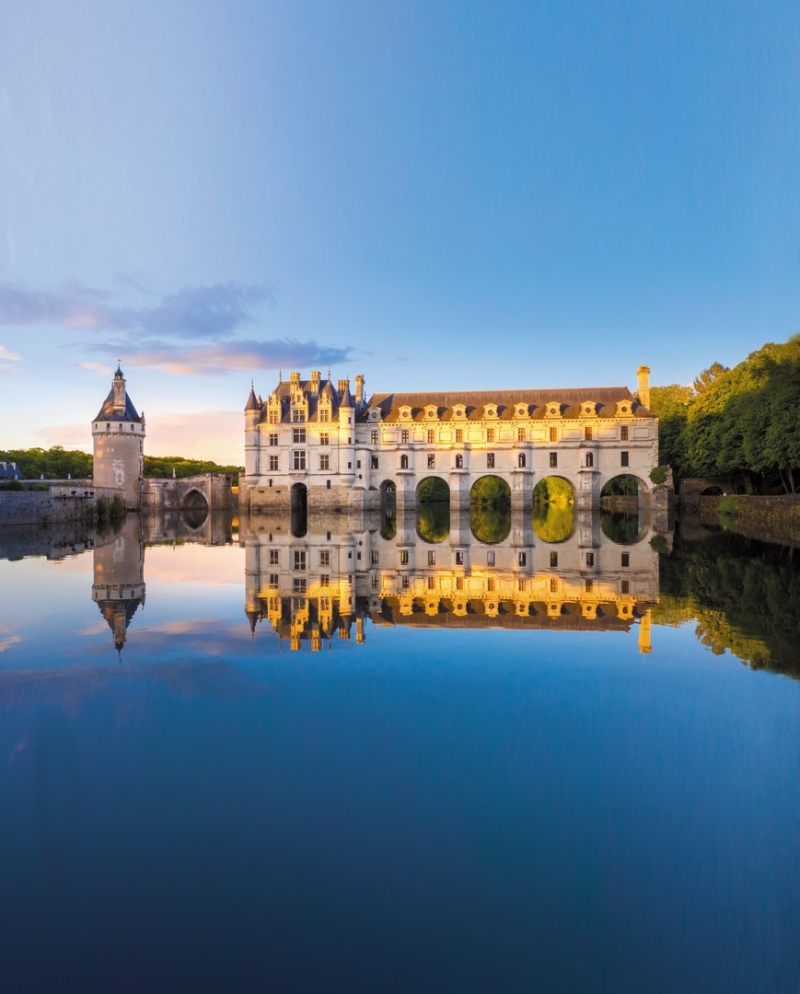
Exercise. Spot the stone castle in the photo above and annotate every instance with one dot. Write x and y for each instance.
(314, 444)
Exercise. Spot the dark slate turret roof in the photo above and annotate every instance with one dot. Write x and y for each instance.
(252, 403)
(109, 413)
(506, 401)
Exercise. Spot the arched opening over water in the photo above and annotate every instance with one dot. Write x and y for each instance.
(490, 509)
(433, 514)
(195, 509)
(712, 492)
(299, 509)
(388, 509)
(553, 509)
(620, 520)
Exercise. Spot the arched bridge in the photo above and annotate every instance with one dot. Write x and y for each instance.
(208, 492)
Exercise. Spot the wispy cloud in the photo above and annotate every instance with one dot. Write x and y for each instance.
(222, 357)
(192, 312)
(8, 354)
(96, 367)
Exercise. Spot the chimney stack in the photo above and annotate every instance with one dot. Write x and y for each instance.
(359, 388)
(314, 381)
(643, 373)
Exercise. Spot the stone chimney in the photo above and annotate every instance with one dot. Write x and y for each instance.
(295, 378)
(359, 388)
(343, 385)
(314, 385)
(643, 373)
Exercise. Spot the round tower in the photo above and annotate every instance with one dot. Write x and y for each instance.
(118, 436)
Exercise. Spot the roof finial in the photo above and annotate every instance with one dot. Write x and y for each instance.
(280, 376)
(329, 370)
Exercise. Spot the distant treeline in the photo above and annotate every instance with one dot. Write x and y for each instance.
(740, 422)
(58, 463)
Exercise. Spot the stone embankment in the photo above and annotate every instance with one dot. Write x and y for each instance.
(70, 502)
(770, 519)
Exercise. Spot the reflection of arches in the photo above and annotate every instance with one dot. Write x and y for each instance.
(195, 508)
(299, 509)
(623, 527)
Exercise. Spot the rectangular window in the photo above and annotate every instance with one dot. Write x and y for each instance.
(625, 587)
(325, 438)
(553, 585)
(522, 559)
(459, 583)
(520, 434)
(358, 464)
(554, 434)
(325, 557)
(299, 459)
(298, 416)
(490, 434)
(273, 579)
(324, 415)
(553, 460)
(324, 580)
(490, 584)
(299, 586)
(431, 583)
(521, 585)
(626, 558)
(490, 558)
(623, 433)
(374, 557)
(273, 557)
(459, 558)
(587, 434)
(431, 436)
(376, 581)
(299, 559)
(404, 581)
(373, 462)
(404, 436)
(299, 436)
(459, 435)
(273, 438)
(431, 462)
(553, 560)
(490, 460)
(325, 462)
(589, 586)
(590, 559)
(404, 557)
(273, 417)
(431, 558)
(273, 464)
(324, 604)
(373, 435)
(623, 459)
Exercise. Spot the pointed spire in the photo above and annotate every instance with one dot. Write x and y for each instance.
(252, 403)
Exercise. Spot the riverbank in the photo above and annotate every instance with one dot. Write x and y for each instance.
(770, 519)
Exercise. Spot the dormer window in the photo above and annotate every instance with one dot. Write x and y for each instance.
(298, 415)
(431, 412)
(405, 413)
(459, 411)
(589, 409)
(521, 411)
(624, 409)
(552, 409)
(490, 411)
(374, 414)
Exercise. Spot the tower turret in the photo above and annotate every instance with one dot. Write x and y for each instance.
(118, 435)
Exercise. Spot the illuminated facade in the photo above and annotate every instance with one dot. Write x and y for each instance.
(312, 442)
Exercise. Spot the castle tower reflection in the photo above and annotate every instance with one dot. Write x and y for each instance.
(348, 568)
(118, 588)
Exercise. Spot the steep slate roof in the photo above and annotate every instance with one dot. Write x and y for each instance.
(109, 413)
(325, 389)
(506, 401)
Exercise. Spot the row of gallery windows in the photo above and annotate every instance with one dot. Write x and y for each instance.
(299, 461)
(324, 438)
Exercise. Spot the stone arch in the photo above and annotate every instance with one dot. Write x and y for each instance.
(388, 488)
(433, 509)
(622, 485)
(433, 489)
(712, 491)
(195, 508)
(299, 509)
(554, 509)
(489, 489)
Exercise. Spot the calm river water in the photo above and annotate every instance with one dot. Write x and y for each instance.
(381, 754)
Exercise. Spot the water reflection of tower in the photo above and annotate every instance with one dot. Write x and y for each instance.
(118, 587)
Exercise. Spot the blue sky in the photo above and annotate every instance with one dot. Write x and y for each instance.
(436, 194)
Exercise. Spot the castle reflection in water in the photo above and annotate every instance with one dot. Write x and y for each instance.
(310, 580)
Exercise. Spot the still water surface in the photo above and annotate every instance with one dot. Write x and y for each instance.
(361, 760)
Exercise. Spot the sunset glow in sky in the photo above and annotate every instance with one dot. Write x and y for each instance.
(440, 195)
